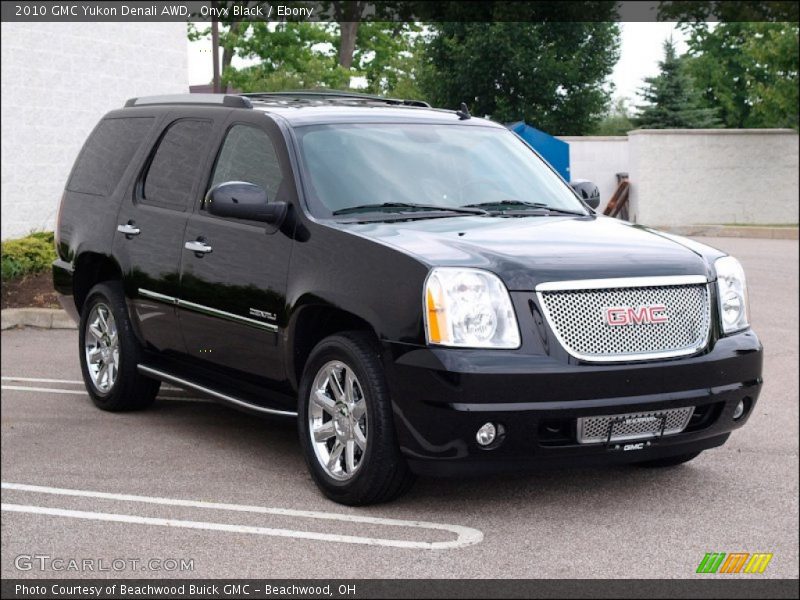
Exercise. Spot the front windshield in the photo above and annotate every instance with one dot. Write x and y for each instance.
(353, 165)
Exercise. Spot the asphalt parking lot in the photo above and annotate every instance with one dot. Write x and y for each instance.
(190, 479)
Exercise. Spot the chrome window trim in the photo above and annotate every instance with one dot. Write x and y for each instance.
(577, 285)
(164, 376)
(620, 282)
(207, 310)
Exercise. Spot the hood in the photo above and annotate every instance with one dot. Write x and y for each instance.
(526, 251)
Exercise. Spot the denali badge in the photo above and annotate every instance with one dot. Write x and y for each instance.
(254, 312)
(640, 315)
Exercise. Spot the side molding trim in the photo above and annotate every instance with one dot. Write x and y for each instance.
(207, 310)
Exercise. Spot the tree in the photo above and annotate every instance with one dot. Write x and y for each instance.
(617, 121)
(387, 54)
(672, 101)
(748, 70)
(287, 55)
(551, 74)
(774, 48)
(747, 63)
(310, 55)
(725, 11)
(232, 31)
(352, 16)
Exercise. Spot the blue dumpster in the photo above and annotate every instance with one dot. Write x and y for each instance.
(552, 150)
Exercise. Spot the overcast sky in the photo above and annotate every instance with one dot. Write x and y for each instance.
(639, 56)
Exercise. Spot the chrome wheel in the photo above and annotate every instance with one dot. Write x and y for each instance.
(101, 345)
(337, 420)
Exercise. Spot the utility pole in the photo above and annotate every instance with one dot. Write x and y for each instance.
(215, 54)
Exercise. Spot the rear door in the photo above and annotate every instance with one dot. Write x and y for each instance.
(151, 227)
(233, 295)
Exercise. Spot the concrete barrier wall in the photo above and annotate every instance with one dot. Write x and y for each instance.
(688, 177)
(598, 159)
(58, 80)
(714, 176)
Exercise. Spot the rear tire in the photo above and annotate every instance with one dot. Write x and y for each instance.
(669, 461)
(110, 353)
(345, 423)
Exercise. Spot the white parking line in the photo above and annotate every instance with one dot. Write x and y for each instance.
(466, 536)
(65, 381)
(28, 388)
(39, 380)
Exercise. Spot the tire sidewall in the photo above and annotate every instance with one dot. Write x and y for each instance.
(124, 388)
(339, 348)
(91, 302)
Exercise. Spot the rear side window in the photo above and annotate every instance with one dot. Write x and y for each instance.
(107, 153)
(176, 164)
(248, 155)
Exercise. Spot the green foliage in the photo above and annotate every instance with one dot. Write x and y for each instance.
(748, 70)
(290, 55)
(617, 121)
(308, 55)
(31, 254)
(725, 11)
(552, 75)
(387, 54)
(672, 100)
(775, 50)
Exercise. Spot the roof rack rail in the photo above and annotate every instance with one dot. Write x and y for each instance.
(228, 100)
(332, 95)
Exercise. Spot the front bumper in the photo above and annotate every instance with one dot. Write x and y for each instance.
(442, 396)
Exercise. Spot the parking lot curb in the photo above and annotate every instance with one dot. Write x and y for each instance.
(43, 318)
(743, 231)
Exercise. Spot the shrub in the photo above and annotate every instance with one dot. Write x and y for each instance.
(31, 254)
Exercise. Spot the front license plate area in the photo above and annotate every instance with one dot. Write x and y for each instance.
(632, 427)
(660, 422)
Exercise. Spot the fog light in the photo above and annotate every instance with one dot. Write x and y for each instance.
(737, 414)
(486, 434)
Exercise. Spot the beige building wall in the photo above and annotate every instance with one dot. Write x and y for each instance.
(58, 80)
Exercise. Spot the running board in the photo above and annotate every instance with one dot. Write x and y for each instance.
(236, 402)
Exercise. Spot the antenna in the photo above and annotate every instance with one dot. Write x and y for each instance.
(463, 112)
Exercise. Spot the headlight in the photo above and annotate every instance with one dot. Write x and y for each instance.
(469, 308)
(732, 294)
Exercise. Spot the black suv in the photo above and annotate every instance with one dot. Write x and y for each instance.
(416, 286)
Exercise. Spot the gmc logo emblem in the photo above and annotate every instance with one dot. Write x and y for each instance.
(640, 315)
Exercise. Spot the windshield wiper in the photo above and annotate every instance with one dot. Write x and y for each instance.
(409, 206)
(525, 206)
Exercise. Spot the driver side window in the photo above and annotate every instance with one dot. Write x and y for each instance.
(248, 155)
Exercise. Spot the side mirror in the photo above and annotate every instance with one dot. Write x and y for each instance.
(586, 191)
(242, 200)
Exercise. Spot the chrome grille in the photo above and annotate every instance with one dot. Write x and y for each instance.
(633, 426)
(577, 317)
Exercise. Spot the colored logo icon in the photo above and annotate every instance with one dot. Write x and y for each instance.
(735, 562)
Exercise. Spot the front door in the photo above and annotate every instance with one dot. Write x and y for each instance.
(233, 271)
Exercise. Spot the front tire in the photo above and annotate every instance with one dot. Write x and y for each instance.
(110, 353)
(345, 423)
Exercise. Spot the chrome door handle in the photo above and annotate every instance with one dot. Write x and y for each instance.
(198, 247)
(129, 229)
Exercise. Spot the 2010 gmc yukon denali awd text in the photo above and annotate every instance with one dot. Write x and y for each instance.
(415, 286)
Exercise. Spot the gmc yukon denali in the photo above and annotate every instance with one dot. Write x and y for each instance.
(417, 287)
